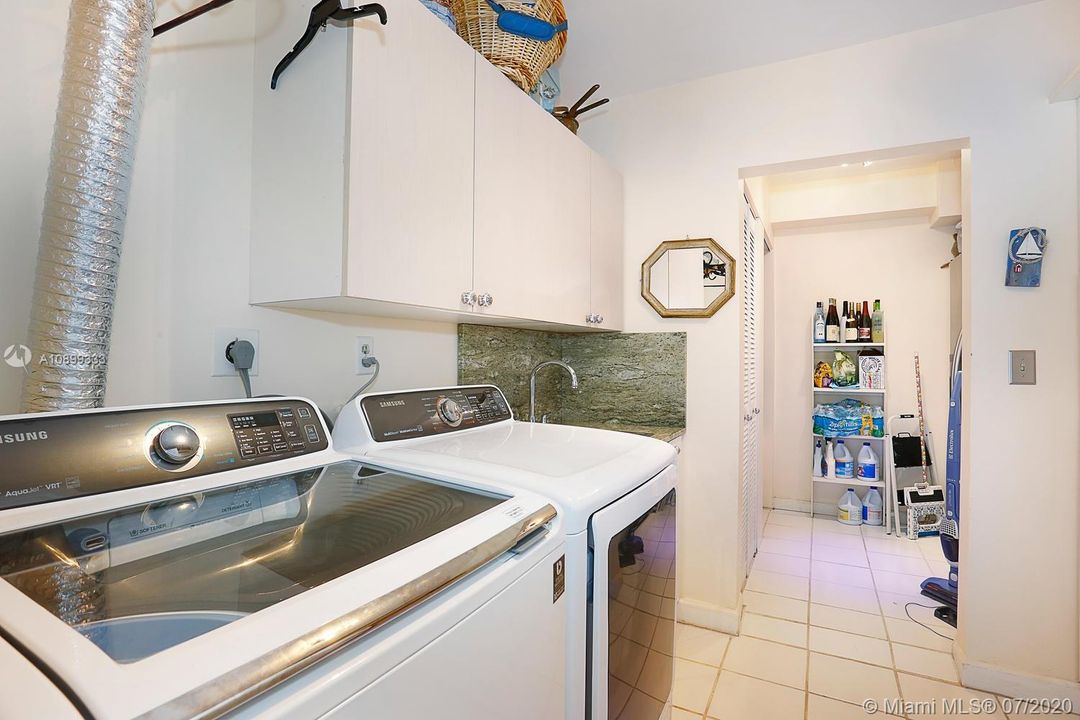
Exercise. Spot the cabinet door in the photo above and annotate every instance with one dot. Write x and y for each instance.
(410, 156)
(606, 250)
(532, 210)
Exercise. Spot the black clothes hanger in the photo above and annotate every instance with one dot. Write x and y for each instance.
(324, 11)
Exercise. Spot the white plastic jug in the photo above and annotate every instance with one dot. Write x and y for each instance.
(845, 464)
(849, 510)
(819, 461)
(872, 507)
(868, 464)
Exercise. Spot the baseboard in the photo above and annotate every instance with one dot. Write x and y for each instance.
(803, 506)
(1013, 684)
(707, 615)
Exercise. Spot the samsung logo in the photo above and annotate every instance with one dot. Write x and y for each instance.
(13, 438)
(391, 403)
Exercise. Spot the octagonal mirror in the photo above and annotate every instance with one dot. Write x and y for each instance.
(688, 278)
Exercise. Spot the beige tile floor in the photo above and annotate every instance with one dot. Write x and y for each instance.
(823, 629)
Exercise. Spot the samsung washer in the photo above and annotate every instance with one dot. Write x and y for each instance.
(222, 559)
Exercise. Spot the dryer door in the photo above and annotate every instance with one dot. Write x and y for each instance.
(632, 609)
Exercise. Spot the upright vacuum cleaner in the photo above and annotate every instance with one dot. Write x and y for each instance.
(944, 590)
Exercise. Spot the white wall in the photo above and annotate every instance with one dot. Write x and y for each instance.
(185, 262)
(768, 382)
(681, 149)
(895, 260)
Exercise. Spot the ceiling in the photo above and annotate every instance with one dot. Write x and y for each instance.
(632, 45)
(917, 163)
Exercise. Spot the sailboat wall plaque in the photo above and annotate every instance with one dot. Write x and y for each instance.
(1026, 247)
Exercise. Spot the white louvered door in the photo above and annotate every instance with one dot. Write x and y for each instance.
(751, 499)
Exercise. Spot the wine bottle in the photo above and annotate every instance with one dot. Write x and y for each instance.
(877, 324)
(865, 323)
(851, 330)
(832, 323)
(819, 324)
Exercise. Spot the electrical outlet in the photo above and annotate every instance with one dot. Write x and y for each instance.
(365, 348)
(1021, 367)
(222, 338)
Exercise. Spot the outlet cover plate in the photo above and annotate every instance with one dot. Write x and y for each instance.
(365, 347)
(222, 338)
(1021, 367)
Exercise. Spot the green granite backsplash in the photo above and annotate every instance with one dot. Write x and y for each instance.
(505, 357)
(633, 378)
(637, 378)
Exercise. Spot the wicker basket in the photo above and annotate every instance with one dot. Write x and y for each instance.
(521, 59)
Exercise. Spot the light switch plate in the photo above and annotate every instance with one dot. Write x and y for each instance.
(1021, 367)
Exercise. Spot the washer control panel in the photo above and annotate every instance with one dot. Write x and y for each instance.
(402, 416)
(275, 432)
(61, 456)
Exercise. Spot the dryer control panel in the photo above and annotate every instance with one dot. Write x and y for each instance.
(44, 458)
(421, 413)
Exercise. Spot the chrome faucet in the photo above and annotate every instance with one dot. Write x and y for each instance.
(532, 383)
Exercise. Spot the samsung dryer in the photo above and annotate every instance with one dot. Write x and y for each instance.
(616, 495)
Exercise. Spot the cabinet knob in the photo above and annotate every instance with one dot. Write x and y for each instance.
(599, 319)
(485, 300)
(468, 298)
(590, 318)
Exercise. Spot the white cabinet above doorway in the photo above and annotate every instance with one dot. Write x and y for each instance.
(397, 172)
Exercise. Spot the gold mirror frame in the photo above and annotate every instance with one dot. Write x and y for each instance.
(706, 312)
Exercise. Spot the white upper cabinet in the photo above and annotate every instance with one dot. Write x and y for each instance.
(606, 246)
(364, 155)
(396, 171)
(532, 207)
(410, 190)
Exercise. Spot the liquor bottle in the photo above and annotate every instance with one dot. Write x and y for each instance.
(819, 324)
(851, 331)
(845, 320)
(865, 323)
(877, 324)
(832, 323)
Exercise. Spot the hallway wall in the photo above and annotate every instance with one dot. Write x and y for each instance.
(681, 150)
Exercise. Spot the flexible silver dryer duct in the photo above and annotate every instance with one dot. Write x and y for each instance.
(93, 150)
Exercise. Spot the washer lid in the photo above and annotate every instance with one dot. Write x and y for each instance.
(191, 602)
(581, 469)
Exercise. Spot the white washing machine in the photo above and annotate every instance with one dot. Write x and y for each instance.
(221, 559)
(616, 495)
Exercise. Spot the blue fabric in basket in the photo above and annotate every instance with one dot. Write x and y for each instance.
(521, 24)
